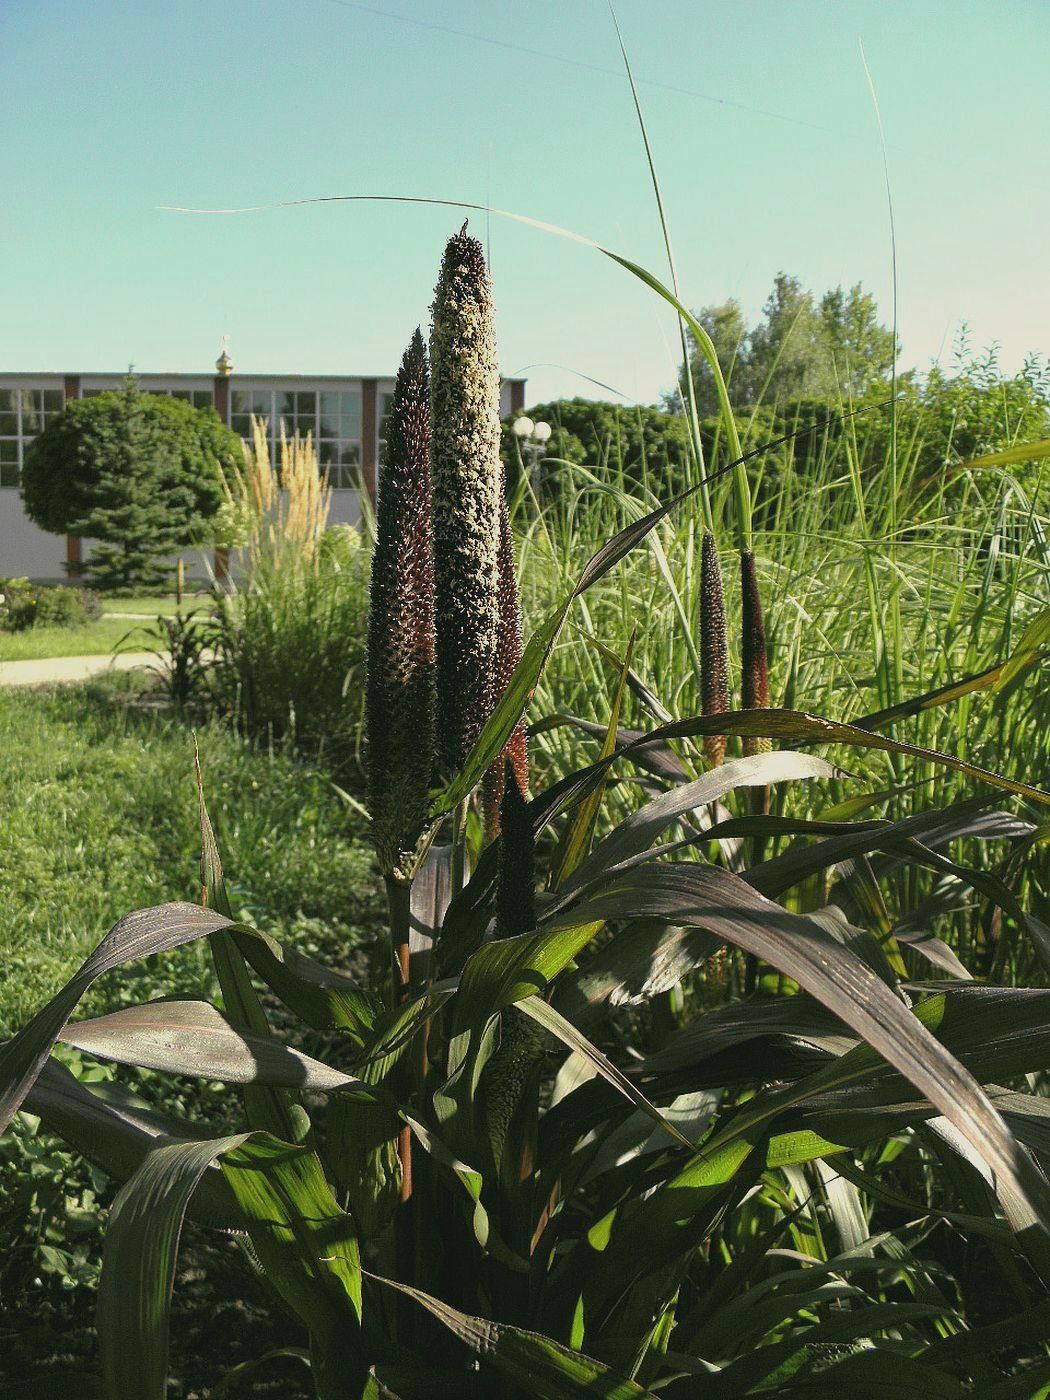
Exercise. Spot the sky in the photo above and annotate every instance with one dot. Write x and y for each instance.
(763, 133)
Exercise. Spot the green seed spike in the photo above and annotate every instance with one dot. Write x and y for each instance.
(753, 648)
(399, 695)
(508, 655)
(714, 646)
(467, 484)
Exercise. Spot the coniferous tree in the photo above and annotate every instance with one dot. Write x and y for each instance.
(139, 473)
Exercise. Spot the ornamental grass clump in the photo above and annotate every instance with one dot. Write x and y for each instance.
(467, 483)
(399, 695)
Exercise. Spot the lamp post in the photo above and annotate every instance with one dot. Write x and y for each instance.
(532, 438)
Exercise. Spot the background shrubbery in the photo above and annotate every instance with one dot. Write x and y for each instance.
(24, 604)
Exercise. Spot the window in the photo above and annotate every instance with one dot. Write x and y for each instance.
(332, 417)
(339, 437)
(248, 403)
(9, 472)
(199, 398)
(8, 413)
(23, 414)
(342, 463)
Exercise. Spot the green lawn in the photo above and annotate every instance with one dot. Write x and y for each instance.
(151, 603)
(119, 616)
(95, 639)
(99, 818)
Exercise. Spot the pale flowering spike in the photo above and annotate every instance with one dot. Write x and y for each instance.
(399, 696)
(466, 476)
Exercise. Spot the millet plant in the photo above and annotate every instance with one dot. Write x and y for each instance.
(505, 1164)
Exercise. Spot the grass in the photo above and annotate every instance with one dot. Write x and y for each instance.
(874, 591)
(95, 639)
(119, 616)
(150, 604)
(100, 817)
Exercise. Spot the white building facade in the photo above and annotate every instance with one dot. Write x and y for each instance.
(344, 415)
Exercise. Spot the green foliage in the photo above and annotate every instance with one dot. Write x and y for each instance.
(24, 605)
(180, 643)
(137, 472)
(290, 647)
(801, 348)
(94, 762)
(662, 1098)
(595, 432)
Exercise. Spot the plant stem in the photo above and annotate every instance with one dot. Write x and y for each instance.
(459, 847)
(399, 903)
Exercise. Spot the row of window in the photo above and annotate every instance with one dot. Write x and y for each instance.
(331, 417)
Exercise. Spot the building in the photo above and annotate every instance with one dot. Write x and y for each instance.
(344, 413)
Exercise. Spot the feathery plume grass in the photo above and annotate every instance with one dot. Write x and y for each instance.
(275, 515)
(399, 702)
(466, 476)
(714, 646)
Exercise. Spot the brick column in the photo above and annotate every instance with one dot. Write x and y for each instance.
(74, 547)
(369, 435)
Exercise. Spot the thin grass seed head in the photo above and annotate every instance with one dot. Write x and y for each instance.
(466, 476)
(714, 646)
(507, 657)
(399, 696)
(753, 648)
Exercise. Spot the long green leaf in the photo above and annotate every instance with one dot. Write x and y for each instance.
(305, 1242)
(545, 1015)
(728, 907)
(541, 1366)
(638, 832)
(266, 1107)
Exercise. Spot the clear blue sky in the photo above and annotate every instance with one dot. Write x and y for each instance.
(759, 113)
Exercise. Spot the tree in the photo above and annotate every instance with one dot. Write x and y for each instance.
(800, 349)
(632, 437)
(137, 472)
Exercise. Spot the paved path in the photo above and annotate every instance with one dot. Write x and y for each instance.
(56, 669)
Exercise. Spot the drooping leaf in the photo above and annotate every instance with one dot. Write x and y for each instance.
(543, 1367)
(116, 1132)
(638, 832)
(793, 727)
(563, 1030)
(191, 1037)
(137, 935)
